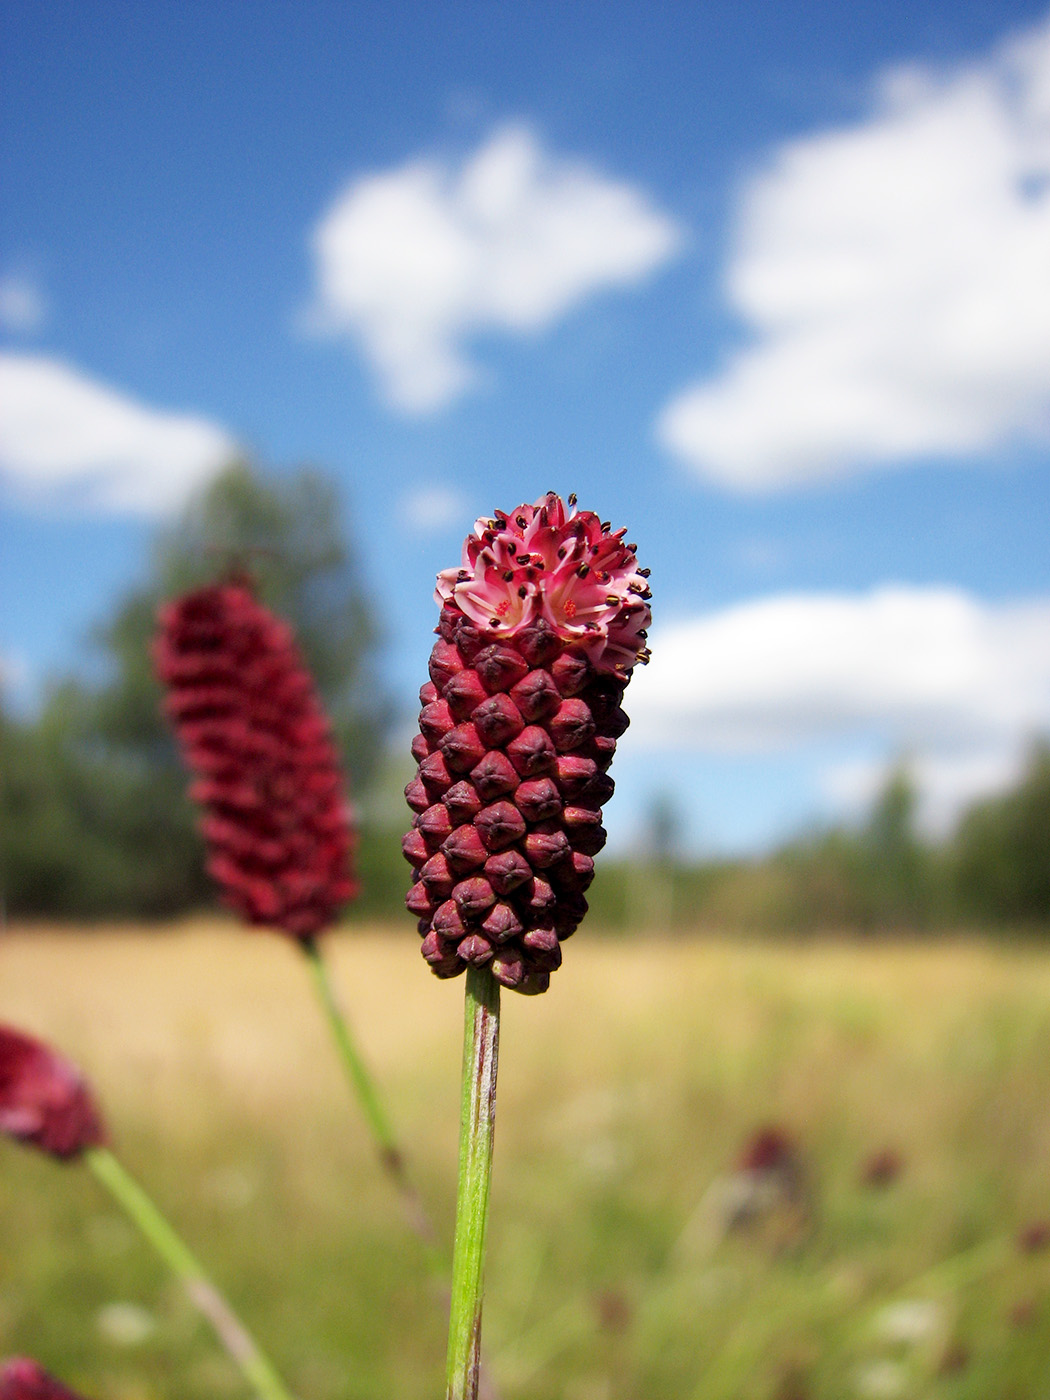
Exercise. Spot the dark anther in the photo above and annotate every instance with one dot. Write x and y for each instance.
(520, 521)
(583, 571)
(523, 592)
(631, 548)
(572, 498)
(606, 526)
(562, 551)
(494, 622)
(645, 572)
(508, 576)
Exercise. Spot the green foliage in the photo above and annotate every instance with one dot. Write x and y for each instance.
(89, 827)
(1003, 850)
(994, 870)
(286, 533)
(881, 876)
(96, 820)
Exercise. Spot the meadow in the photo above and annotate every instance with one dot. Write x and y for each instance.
(618, 1268)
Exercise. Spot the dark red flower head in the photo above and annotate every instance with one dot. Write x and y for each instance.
(44, 1099)
(257, 739)
(541, 627)
(21, 1379)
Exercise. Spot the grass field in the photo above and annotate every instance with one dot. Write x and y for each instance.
(626, 1096)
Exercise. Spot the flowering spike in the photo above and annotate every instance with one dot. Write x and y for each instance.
(22, 1379)
(44, 1099)
(540, 627)
(250, 724)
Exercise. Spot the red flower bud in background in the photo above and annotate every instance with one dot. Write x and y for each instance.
(21, 1379)
(254, 733)
(44, 1099)
(540, 629)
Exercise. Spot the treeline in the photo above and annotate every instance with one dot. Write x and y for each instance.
(94, 820)
(993, 871)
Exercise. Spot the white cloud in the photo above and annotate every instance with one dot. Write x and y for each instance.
(895, 276)
(946, 783)
(432, 508)
(957, 683)
(22, 305)
(69, 441)
(15, 672)
(411, 262)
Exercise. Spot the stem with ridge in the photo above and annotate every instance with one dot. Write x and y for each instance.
(364, 1086)
(242, 1347)
(477, 1127)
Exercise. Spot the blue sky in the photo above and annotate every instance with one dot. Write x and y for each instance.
(768, 284)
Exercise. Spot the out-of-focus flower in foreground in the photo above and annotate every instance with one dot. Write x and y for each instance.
(22, 1379)
(44, 1099)
(253, 732)
(540, 629)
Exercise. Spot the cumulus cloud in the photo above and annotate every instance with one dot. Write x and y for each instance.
(411, 262)
(946, 783)
(15, 673)
(23, 309)
(68, 441)
(895, 278)
(957, 683)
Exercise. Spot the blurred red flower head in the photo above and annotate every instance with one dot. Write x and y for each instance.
(253, 732)
(769, 1149)
(44, 1099)
(21, 1379)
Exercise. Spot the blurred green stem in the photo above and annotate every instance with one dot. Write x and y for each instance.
(477, 1127)
(372, 1107)
(254, 1365)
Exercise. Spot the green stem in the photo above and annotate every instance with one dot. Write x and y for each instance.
(477, 1127)
(371, 1105)
(255, 1366)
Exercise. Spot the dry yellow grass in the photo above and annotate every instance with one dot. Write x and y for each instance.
(623, 1093)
